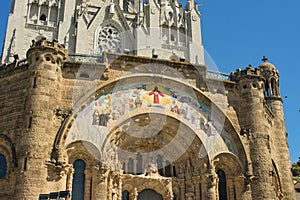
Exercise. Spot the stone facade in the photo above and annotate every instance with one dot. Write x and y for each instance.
(91, 27)
(134, 124)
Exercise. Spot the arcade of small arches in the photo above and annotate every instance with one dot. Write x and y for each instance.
(43, 12)
(195, 179)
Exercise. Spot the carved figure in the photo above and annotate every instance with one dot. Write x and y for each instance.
(151, 168)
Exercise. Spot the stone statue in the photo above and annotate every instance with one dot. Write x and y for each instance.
(151, 168)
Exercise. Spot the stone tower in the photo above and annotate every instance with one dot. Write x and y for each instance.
(259, 94)
(91, 106)
(45, 60)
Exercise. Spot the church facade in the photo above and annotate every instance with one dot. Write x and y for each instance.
(112, 100)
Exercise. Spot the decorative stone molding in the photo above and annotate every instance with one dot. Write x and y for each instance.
(62, 114)
(57, 170)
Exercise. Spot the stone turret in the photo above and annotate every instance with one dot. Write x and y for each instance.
(251, 107)
(45, 59)
(279, 148)
(271, 79)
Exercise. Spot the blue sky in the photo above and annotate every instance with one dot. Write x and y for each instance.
(238, 33)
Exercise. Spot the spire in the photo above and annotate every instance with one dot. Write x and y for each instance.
(190, 5)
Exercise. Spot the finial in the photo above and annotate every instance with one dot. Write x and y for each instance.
(264, 59)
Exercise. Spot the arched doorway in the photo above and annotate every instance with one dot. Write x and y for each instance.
(78, 180)
(149, 194)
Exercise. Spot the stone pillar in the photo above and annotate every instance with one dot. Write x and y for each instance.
(48, 18)
(87, 184)
(134, 194)
(182, 189)
(204, 186)
(134, 166)
(120, 189)
(212, 184)
(70, 178)
(99, 178)
(196, 181)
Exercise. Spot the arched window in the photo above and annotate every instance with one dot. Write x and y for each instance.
(139, 163)
(130, 166)
(274, 87)
(3, 166)
(33, 15)
(168, 169)
(53, 14)
(222, 185)
(125, 195)
(78, 180)
(43, 17)
(159, 165)
(124, 167)
(172, 38)
(267, 89)
(174, 171)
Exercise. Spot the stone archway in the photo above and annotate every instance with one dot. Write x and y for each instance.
(144, 84)
(149, 194)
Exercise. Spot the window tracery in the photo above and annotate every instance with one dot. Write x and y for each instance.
(109, 39)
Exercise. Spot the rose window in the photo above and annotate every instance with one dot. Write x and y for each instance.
(109, 39)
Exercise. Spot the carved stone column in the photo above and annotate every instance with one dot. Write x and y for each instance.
(182, 189)
(87, 183)
(169, 188)
(134, 194)
(120, 189)
(69, 181)
(99, 183)
(212, 184)
(197, 189)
